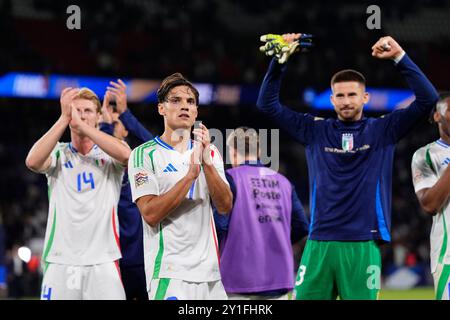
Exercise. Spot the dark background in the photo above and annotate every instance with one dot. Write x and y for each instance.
(212, 41)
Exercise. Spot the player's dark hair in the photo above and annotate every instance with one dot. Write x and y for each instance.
(348, 75)
(172, 81)
(244, 140)
(442, 96)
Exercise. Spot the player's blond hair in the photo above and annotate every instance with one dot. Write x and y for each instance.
(88, 94)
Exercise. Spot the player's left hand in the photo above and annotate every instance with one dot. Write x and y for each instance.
(119, 92)
(107, 111)
(203, 137)
(386, 48)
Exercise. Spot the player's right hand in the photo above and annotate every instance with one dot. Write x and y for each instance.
(291, 37)
(67, 97)
(283, 46)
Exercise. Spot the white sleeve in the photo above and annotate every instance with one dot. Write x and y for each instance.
(217, 161)
(117, 165)
(55, 155)
(142, 178)
(423, 173)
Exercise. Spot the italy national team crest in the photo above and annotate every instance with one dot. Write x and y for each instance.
(347, 141)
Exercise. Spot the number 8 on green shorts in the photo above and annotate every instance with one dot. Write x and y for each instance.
(348, 269)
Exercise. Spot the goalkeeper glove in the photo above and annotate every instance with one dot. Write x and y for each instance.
(276, 45)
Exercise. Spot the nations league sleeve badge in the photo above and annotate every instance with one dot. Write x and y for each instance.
(140, 179)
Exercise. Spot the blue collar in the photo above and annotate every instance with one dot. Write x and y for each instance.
(442, 143)
(74, 150)
(159, 141)
(162, 143)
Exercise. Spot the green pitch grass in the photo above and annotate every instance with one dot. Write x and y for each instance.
(426, 293)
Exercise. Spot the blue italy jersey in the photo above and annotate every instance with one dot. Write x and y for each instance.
(349, 163)
(130, 221)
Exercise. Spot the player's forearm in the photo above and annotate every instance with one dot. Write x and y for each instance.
(426, 94)
(38, 157)
(134, 126)
(107, 128)
(219, 191)
(269, 93)
(157, 208)
(111, 145)
(433, 199)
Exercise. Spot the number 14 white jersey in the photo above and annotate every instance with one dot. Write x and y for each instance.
(82, 225)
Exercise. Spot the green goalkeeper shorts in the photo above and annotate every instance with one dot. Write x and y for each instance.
(344, 269)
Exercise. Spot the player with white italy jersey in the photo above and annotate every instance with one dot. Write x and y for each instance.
(189, 230)
(173, 182)
(84, 179)
(431, 178)
(428, 165)
(83, 192)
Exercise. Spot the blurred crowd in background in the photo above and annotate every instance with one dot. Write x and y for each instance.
(211, 41)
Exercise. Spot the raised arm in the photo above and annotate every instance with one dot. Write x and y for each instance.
(297, 124)
(426, 95)
(401, 121)
(106, 122)
(114, 147)
(118, 91)
(38, 158)
(133, 126)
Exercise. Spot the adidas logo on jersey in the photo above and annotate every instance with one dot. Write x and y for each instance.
(170, 168)
(68, 165)
(446, 162)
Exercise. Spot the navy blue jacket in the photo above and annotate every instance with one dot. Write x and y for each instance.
(349, 163)
(130, 222)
